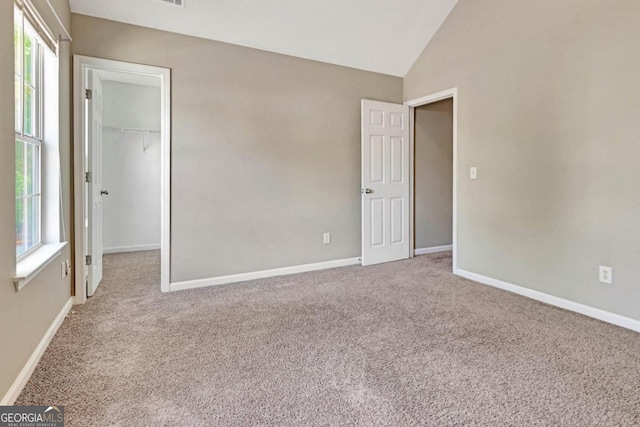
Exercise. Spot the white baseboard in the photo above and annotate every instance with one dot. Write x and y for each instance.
(123, 249)
(242, 277)
(586, 310)
(24, 375)
(433, 250)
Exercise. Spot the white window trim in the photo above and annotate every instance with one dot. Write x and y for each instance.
(37, 258)
(37, 128)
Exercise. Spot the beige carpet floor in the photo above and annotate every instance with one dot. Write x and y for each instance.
(400, 344)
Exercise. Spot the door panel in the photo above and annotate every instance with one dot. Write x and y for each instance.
(377, 159)
(397, 223)
(397, 159)
(385, 182)
(377, 222)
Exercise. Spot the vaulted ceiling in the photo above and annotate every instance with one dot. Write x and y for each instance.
(384, 36)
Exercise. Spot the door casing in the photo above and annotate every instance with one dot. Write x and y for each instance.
(81, 67)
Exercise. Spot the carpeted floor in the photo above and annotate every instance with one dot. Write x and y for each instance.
(399, 344)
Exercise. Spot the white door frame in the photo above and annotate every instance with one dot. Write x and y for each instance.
(413, 104)
(81, 66)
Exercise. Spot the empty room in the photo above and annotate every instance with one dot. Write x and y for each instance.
(397, 213)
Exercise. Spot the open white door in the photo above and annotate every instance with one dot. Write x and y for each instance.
(93, 220)
(385, 182)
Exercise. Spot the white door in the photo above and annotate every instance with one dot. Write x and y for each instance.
(93, 220)
(385, 182)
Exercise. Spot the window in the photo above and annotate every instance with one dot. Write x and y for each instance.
(38, 212)
(37, 164)
(28, 128)
(36, 133)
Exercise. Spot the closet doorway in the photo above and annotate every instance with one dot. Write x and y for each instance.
(434, 174)
(433, 177)
(122, 166)
(130, 163)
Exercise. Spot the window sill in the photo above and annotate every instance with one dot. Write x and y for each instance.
(28, 268)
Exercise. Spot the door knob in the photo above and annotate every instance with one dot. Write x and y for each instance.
(367, 191)
(104, 192)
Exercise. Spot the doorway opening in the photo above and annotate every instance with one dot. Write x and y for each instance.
(433, 183)
(122, 166)
(434, 163)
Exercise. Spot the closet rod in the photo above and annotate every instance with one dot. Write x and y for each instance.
(132, 130)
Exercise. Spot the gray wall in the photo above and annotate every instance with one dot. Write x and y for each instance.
(131, 211)
(265, 148)
(433, 174)
(548, 112)
(25, 316)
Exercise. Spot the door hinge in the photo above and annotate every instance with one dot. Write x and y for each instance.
(87, 259)
(88, 94)
(87, 177)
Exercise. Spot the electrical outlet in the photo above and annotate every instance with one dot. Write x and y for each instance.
(473, 172)
(326, 238)
(606, 275)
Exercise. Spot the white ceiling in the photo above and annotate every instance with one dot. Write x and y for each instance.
(384, 36)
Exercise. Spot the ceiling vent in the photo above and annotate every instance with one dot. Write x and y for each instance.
(179, 3)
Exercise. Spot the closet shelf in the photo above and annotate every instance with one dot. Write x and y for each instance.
(129, 130)
(143, 132)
